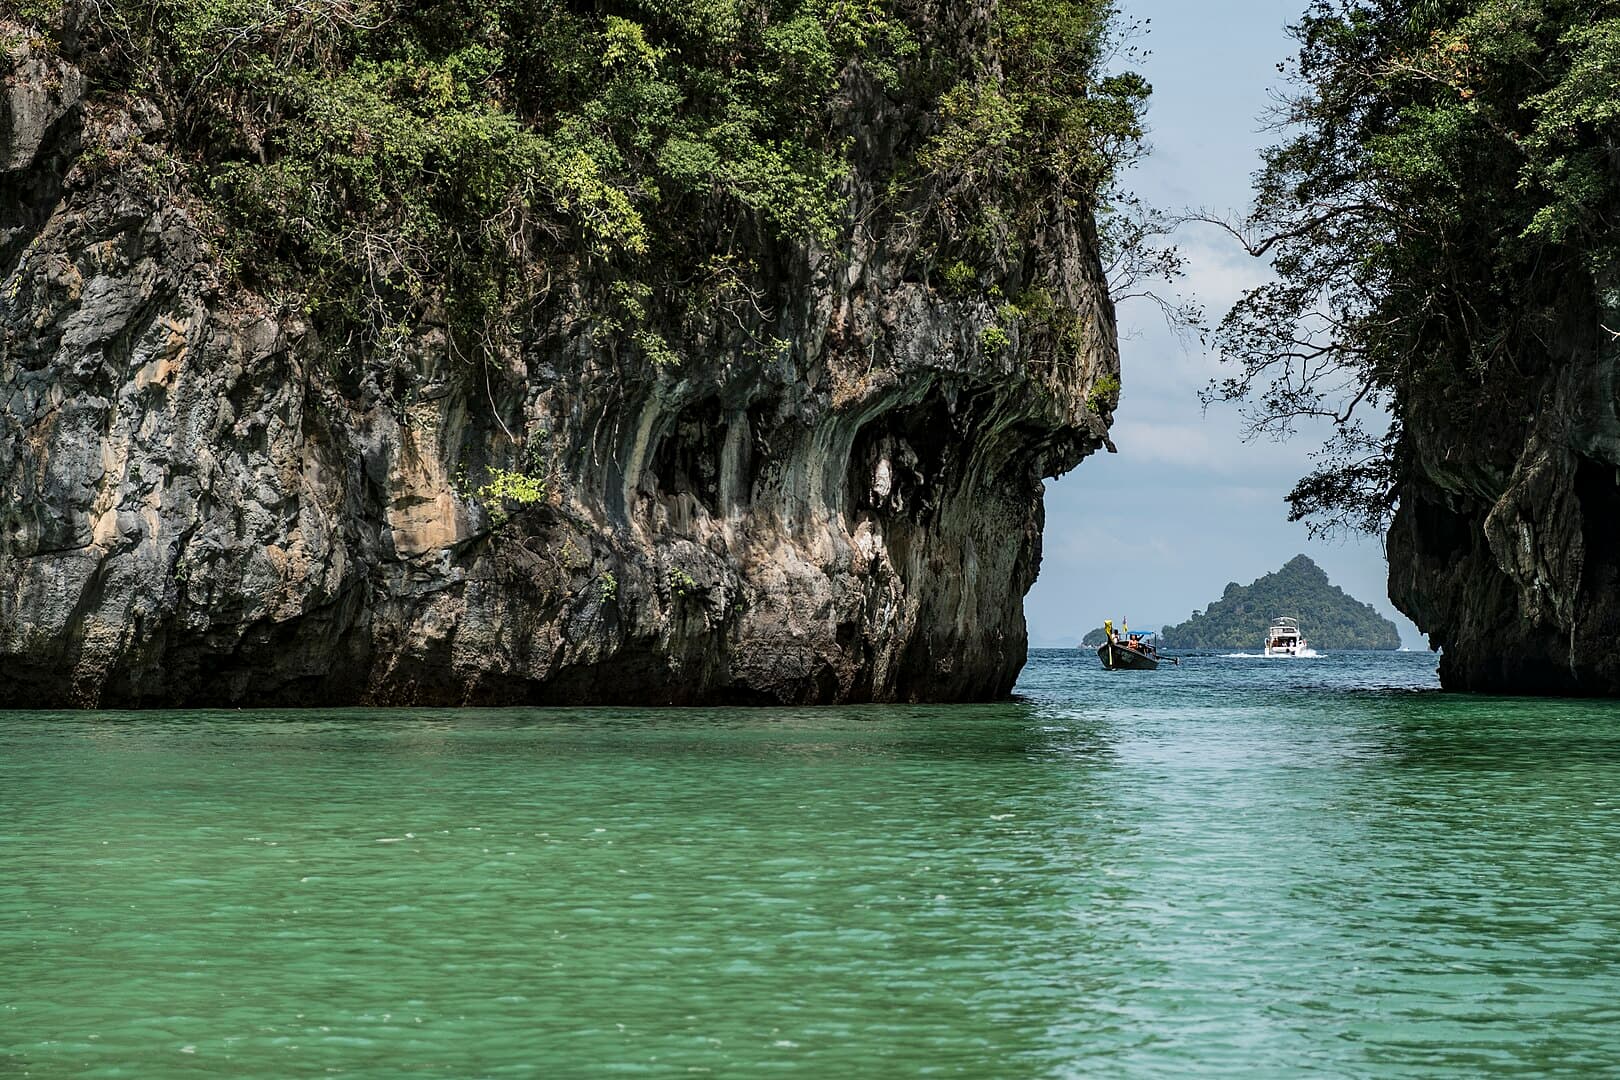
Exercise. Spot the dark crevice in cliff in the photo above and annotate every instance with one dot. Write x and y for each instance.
(687, 460)
(1597, 626)
(28, 196)
(1447, 533)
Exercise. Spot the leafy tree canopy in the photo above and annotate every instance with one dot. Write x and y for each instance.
(1441, 215)
(396, 166)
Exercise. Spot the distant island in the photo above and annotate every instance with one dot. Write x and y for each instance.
(1328, 617)
(1096, 637)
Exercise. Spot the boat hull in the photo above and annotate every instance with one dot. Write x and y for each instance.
(1119, 658)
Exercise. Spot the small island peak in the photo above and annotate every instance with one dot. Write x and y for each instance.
(1241, 618)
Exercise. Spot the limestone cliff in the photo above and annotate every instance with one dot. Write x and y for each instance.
(1505, 548)
(1440, 216)
(200, 505)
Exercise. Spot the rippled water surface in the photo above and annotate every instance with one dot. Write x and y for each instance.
(1240, 865)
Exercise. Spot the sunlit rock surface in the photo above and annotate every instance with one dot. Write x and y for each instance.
(198, 508)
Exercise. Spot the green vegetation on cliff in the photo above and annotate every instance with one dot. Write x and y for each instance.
(1442, 221)
(1328, 617)
(400, 170)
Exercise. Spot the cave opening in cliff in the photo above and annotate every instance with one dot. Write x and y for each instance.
(903, 458)
(687, 458)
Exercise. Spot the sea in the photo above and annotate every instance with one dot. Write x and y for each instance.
(1232, 866)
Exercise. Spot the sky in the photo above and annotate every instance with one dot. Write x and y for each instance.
(1186, 506)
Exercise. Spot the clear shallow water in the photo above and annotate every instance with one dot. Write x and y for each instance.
(1240, 865)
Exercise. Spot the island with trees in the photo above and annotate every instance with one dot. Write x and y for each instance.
(1328, 616)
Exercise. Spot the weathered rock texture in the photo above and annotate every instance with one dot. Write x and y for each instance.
(197, 509)
(1506, 546)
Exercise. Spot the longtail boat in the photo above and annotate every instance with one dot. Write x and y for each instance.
(1136, 652)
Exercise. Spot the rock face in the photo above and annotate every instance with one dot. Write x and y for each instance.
(1506, 547)
(196, 509)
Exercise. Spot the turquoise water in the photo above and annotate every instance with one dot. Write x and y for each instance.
(1239, 865)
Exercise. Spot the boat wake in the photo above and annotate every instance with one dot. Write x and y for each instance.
(1303, 654)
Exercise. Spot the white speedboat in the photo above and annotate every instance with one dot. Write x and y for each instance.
(1284, 638)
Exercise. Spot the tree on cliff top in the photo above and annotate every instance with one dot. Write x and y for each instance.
(1328, 617)
(394, 169)
(1442, 221)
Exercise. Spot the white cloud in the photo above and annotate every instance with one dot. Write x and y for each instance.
(1170, 444)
